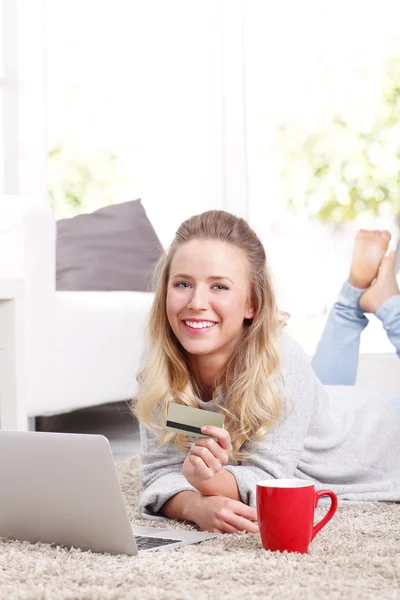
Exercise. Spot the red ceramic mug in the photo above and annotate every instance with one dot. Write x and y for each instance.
(285, 510)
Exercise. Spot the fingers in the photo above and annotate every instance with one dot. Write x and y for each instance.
(224, 515)
(248, 512)
(202, 471)
(227, 528)
(215, 449)
(205, 455)
(243, 510)
(222, 435)
(242, 524)
(231, 520)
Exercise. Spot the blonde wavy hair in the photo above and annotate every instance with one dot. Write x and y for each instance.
(249, 383)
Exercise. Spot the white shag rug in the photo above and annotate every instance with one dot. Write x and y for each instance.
(357, 555)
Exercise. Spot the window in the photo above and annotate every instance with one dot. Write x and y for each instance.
(23, 109)
(1, 102)
(129, 107)
(323, 119)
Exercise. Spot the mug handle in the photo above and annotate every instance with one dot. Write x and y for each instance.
(334, 502)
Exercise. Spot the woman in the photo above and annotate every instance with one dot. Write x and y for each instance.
(216, 342)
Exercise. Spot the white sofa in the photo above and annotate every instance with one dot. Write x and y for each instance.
(60, 350)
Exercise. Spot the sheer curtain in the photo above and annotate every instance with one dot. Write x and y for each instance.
(308, 65)
(135, 105)
(132, 99)
(180, 91)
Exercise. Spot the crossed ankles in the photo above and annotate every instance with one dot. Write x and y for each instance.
(372, 270)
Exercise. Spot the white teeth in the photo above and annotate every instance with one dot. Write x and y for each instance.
(199, 324)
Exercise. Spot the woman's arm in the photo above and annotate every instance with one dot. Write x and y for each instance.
(276, 456)
(221, 484)
(178, 507)
(167, 493)
(204, 461)
(212, 513)
(161, 472)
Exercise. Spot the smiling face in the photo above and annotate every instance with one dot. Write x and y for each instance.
(208, 298)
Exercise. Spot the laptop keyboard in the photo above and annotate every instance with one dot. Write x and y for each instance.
(144, 542)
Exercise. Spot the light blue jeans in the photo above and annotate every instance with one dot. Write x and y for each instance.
(336, 357)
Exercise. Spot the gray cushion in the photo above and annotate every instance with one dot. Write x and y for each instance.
(113, 248)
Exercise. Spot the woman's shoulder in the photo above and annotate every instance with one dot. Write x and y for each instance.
(292, 355)
(295, 365)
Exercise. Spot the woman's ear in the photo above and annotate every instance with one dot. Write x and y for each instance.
(250, 311)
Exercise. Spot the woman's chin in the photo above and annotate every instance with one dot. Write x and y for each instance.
(197, 348)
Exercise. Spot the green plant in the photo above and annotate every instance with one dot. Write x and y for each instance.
(338, 170)
(80, 182)
(71, 180)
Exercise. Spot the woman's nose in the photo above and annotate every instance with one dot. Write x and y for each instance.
(198, 300)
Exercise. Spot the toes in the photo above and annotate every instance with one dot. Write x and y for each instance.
(374, 233)
(386, 234)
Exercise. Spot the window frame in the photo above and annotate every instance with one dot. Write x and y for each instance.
(24, 122)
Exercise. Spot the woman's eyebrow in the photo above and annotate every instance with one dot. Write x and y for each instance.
(219, 277)
(182, 275)
(211, 278)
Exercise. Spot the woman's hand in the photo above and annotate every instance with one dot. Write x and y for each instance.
(207, 457)
(222, 515)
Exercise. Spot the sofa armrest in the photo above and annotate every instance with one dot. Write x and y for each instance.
(97, 344)
(13, 410)
(10, 288)
(28, 243)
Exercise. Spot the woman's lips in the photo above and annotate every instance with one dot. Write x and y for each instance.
(198, 330)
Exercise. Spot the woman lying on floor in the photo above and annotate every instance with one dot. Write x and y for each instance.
(216, 343)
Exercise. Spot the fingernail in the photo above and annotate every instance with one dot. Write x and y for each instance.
(205, 428)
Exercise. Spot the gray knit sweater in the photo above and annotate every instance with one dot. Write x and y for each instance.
(342, 438)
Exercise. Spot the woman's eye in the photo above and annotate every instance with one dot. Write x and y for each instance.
(219, 286)
(182, 284)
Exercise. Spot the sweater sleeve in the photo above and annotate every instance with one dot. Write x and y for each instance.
(277, 455)
(161, 473)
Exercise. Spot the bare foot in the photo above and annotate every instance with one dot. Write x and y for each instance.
(384, 287)
(368, 250)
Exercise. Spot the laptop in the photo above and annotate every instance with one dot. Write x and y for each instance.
(62, 488)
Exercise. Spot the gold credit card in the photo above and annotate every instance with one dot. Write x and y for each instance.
(186, 419)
